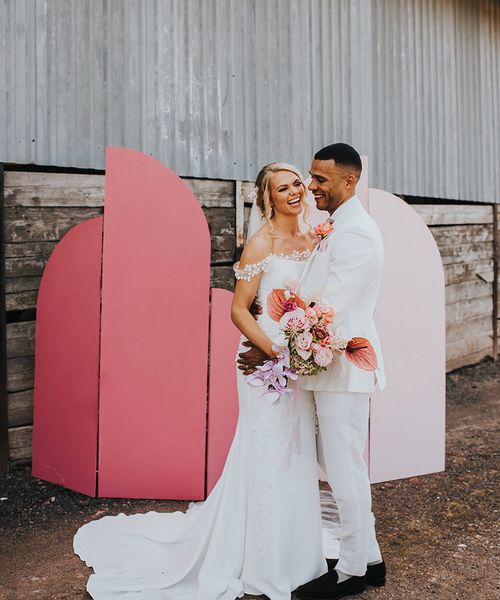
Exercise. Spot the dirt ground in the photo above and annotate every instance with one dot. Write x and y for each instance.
(439, 533)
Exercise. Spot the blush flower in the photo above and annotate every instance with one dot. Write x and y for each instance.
(294, 321)
(291, 283)
(317, 310)
(315, 347)
(323, 357)
(327, 315)
(339, 340)
(323, 230)
(311, 315)
(304, 340)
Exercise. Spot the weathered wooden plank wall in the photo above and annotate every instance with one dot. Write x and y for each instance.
(464, 235)
(41, 207)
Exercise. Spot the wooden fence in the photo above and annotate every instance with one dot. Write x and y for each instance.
(39, 208)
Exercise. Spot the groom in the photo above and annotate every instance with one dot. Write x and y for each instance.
(346, 272)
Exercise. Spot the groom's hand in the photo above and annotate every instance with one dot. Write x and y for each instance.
(250, 359)
(255, 309)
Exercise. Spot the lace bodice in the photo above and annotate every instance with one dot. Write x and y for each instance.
(277, 270)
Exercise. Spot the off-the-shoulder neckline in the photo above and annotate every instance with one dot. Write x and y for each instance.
(250, 270)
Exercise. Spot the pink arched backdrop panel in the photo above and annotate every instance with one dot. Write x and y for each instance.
(223, 393)
(154, 340)
(67, 361)
(407, 420)
(154, 345)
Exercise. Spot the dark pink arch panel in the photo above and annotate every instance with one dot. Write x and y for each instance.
(154, 338)
(67, 361)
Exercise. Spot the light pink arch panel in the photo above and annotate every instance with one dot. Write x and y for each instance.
(154, 339)
(223, 393)
(407, 420)
(67, 361)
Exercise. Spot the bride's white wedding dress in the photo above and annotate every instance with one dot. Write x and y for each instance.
(259, 531)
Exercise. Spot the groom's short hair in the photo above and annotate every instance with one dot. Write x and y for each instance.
(342, 154)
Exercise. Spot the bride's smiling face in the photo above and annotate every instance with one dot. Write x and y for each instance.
(287, 193)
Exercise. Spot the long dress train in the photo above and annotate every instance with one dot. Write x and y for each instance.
(258, 532)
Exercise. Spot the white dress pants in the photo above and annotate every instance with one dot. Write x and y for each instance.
(342, 438)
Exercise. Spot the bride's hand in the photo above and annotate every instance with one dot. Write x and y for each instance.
(247, 361)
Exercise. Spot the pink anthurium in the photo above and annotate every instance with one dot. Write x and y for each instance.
(360, 352)
(277, 301)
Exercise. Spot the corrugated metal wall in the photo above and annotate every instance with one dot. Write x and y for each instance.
(436, 98)
(216, 88)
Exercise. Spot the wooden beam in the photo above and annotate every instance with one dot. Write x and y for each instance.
(4, 433)
(66, 190)
(244, 201)
(20, 442)
(463, 214)
(21, 408)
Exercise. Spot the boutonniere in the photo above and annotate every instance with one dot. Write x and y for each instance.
(323, 232)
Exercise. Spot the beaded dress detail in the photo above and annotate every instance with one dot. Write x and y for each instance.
(258, 532)
(253, 269)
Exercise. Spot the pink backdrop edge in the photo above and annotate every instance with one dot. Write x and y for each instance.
(223, 392)
(407, 422)
(67, 360)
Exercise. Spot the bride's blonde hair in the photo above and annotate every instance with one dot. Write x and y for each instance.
(263, 188)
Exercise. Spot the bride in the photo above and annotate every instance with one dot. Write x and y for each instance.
(259, 531)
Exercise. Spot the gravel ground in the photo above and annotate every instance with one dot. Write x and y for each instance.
(439, 533)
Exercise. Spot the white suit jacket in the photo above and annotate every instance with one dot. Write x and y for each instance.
(346, 270)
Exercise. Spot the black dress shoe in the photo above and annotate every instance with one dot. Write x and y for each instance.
(327, 587)
(375, 574)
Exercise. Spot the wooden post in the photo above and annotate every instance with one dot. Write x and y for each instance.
(240, 215)
(496, 251)
(4, 426)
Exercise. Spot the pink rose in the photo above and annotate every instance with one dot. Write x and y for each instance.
(304, 354)
(294, 321)
(323, 357)
(323, 230)
(311, 315)
(304, 340)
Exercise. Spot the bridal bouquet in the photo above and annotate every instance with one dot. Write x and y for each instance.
(309, 343)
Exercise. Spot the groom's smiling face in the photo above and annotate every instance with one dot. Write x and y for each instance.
(331, 184)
